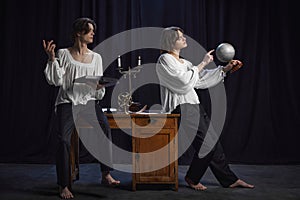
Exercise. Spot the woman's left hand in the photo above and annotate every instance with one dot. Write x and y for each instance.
(233, 66)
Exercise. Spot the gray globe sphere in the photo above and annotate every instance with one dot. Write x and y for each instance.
(225, 52)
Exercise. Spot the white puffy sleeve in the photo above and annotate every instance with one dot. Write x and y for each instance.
(210, 77)
(99, 94)
(174, 77)
(54, 72)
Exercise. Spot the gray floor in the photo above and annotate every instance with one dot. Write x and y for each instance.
(34, 182)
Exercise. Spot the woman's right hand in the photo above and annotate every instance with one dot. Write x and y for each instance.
(208, 58)
(49, 48)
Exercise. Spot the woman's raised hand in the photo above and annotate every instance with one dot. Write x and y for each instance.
(49, 48)
(208, 58)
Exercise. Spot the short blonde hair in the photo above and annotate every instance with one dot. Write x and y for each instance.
(169, 37)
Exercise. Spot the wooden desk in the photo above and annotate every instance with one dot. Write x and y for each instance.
(150, 132)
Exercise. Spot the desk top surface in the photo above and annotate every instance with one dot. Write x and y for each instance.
(141, 115)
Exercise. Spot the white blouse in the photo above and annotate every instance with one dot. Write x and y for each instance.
(65, 69)
(179, 80)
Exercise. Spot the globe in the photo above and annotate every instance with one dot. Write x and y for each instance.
(225, 52)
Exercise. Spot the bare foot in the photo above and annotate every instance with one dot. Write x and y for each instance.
(107, 179)
(198, 186)
(65, 193)
(240, 183)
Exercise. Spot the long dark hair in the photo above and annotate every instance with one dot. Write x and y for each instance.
(168, 38)
(81, 25)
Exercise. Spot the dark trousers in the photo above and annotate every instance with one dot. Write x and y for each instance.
(66, 127)
(196, 128)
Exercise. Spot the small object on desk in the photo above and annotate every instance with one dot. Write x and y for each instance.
(136, 108)
(109, 110)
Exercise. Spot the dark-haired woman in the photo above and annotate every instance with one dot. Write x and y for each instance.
(61, 70)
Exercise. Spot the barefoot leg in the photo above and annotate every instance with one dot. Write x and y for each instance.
(198, 186)
(241, 183)
(65, 193)
(109, 180)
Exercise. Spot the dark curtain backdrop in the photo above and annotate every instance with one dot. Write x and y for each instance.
(262, 122)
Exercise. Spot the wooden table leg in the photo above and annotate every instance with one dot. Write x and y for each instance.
(133, 182)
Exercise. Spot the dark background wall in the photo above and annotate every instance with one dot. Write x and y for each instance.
(262, 123)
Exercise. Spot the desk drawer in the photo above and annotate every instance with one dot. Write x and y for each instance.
(119, 123)
(155, 122)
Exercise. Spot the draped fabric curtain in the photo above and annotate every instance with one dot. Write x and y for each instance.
(262, 117)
